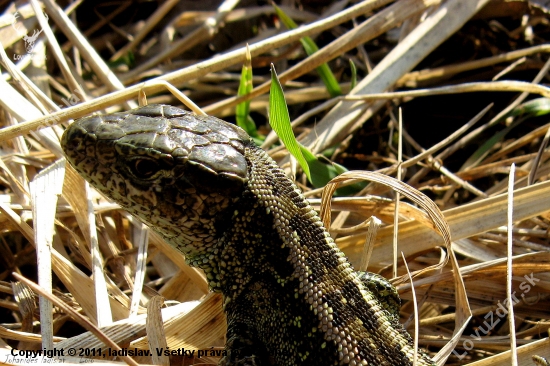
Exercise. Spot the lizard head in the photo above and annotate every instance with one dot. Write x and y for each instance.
(177, 171)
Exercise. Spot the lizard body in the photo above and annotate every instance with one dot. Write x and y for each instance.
(290, 295)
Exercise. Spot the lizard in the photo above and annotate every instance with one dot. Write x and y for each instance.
(290, 295)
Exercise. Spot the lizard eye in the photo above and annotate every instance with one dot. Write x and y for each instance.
(144, 168)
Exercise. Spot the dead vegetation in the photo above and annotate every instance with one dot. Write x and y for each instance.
(470, 79)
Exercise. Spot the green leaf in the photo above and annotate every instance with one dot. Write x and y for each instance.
(353, 74)
(321, 173)
(533, 108)
(317, 171)
(310, 47)
(127, 59)
(486, 147)
(242, 111)
(280, 121)
(324, 170)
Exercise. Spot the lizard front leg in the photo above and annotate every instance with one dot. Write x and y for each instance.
(242, 346)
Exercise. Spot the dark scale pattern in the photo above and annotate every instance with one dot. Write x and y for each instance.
(290, 295)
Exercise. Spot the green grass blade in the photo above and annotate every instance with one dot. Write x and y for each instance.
(280, 121)
(127, 59)
(310, 47)
(353, 74)
(324, 170)
(533, 108)
(321, 173)
(486, 147)
(242, 110)
(317, 171)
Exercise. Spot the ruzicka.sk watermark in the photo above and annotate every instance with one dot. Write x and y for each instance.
(494, 318)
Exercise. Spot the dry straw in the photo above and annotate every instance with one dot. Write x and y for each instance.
(456, 254)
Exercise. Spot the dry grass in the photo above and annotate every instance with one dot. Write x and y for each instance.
(104, 271)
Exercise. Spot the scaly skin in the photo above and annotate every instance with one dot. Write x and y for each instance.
(290, 295)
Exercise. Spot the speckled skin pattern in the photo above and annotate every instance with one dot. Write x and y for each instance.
(290, 295)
